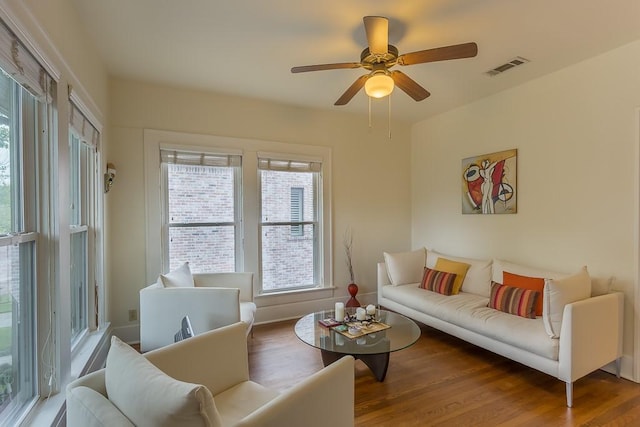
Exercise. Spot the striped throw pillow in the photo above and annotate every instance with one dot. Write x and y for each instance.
(438, 281)
(512, 300)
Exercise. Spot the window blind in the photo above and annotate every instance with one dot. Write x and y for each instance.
(199, 159)
(83, 128)
(23, 67)
(265, 163)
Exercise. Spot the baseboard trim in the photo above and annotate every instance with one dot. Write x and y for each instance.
(129, 333)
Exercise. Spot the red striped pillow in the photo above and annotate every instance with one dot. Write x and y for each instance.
(438, 281)
(512, 300)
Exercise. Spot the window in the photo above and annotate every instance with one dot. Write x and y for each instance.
(23, 122)
(202, 215)
(268, 202)
(290, 247)
(84, 188)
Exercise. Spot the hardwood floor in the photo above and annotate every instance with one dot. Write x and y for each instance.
(443, 381)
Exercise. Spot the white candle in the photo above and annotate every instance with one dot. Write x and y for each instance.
(339, 311)
(361, 314)
(371, 309)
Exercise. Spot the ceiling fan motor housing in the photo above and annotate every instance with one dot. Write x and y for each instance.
(389, 59)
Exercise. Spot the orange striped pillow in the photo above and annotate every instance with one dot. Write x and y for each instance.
(524, 282)
(512, 300)
(438, 281)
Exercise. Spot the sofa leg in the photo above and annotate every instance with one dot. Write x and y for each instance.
(618, 366)
(569, 395)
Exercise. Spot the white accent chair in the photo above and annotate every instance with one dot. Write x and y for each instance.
(217, 299)
(218, 360)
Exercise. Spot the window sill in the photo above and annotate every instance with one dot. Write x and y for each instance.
(90, 355)
(292, 296)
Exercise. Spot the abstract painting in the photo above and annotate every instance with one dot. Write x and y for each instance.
(489, 183)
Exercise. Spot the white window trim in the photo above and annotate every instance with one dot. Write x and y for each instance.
(249, 149)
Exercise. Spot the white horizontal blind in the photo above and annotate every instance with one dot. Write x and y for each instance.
(83, 128)
(265, 163)
(22, 66)
(200, 159)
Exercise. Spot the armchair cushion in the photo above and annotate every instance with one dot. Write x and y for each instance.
(149, 397)
(178, 278)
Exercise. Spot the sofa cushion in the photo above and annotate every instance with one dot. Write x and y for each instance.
(178, 278)
(438, 281)
(241, 400)
(149, 397)
(470, 311)
(526, 282)
(500, 266)
(478, 277)
(405, 267)
(458, 268)
(560, 292)
(513, 300)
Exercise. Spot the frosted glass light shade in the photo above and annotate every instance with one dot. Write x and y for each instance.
(379, 86)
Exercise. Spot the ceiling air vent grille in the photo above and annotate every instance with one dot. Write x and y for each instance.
(518, 60)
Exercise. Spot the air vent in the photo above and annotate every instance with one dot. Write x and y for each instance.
(518, 60)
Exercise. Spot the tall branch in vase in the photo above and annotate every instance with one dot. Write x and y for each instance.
(348, 249)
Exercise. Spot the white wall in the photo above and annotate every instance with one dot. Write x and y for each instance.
(576, 132)
(370, 176)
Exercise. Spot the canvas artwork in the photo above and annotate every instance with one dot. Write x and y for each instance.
(489, 183)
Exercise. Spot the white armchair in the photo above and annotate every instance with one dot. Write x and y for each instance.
(218, 360)
(217, 299)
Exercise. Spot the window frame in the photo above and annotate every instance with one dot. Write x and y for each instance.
(85, 189)
(166, 223)
(316, 222)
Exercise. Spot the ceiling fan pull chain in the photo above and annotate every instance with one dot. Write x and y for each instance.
(389, 116)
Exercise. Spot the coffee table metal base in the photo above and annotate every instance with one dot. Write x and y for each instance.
(377, 363)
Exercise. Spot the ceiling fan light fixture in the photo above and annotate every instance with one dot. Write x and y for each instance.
(379, 85)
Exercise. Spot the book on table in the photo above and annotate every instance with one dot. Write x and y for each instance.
(329, 322)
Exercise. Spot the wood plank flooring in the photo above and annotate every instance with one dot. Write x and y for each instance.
(443, 381)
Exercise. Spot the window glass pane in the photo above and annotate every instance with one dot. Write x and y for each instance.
(79, 285)
(287, 262)
(277, 192)
(8, 154)
(207, 248)
(202, 225)
(289, 252)
(17, 323)
(200, 194)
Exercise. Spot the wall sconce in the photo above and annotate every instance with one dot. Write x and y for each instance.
(109, 176)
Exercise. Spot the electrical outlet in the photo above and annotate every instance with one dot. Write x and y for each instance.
(133, 315)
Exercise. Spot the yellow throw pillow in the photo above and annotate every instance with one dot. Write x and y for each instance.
(457, 268)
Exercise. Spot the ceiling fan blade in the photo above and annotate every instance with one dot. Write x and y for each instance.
(353, 89)
(458, 51)
(377, 29)
(321, 67)
(409, 85)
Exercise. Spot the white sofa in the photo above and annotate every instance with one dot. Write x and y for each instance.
(204, 380)
(214, 300)
(590, 328)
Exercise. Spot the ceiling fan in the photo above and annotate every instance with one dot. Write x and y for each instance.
(380, 57)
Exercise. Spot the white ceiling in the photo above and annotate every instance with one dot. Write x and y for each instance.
(247, 47)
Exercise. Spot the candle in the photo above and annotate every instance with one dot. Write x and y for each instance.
(361, 314)
(371, 309)
(339, 315)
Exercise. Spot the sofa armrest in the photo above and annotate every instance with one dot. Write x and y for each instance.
(242, 281)
(324, 399)
(217, 359)
(162, 309)
(591, 335)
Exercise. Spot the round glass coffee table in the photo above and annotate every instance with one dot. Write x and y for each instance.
(372, 348)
